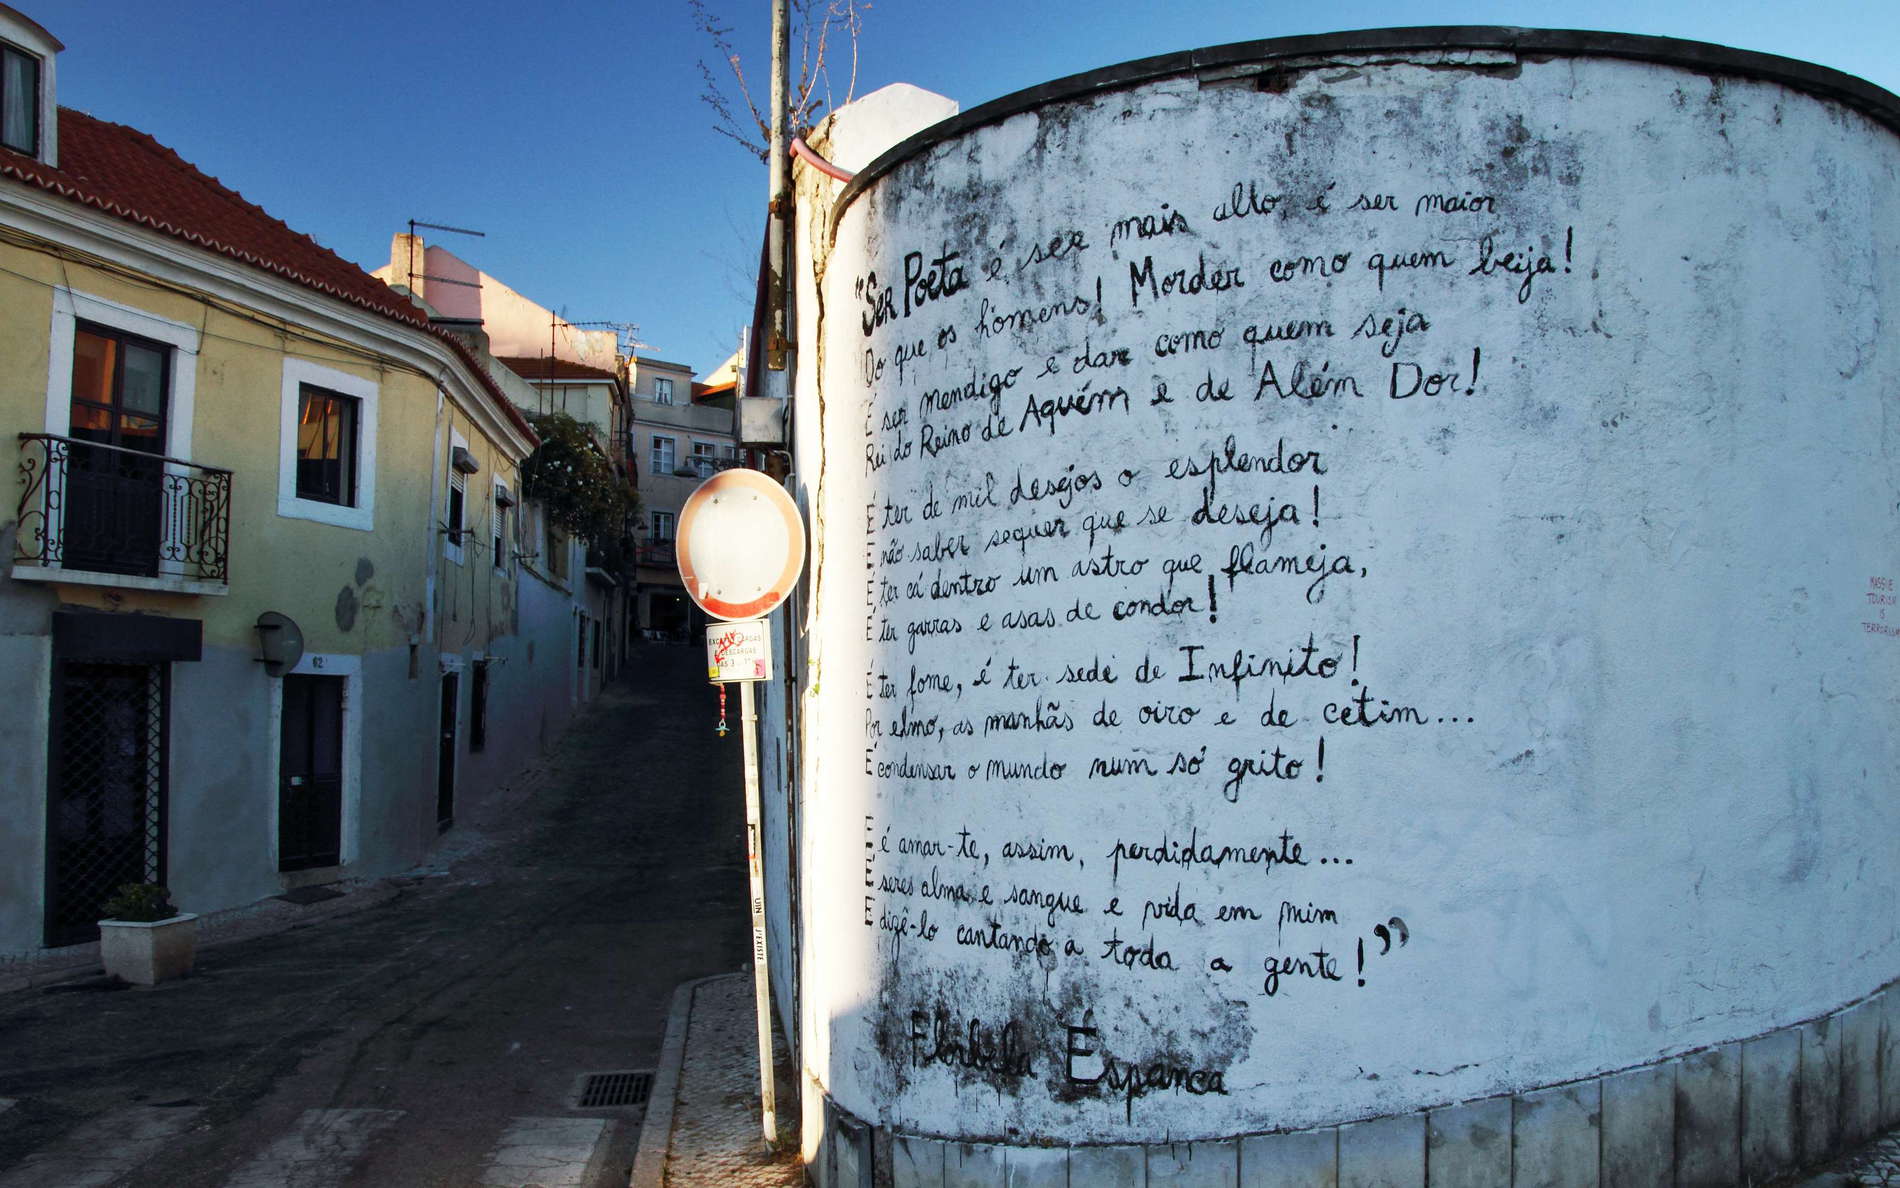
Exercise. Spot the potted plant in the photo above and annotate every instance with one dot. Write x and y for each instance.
(144, 939)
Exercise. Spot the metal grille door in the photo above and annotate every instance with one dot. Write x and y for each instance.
(106, 807)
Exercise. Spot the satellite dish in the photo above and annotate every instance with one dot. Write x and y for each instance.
(741, 545)
(281, 642)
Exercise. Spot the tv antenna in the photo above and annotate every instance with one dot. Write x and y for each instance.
(626, 334)
(446, 280)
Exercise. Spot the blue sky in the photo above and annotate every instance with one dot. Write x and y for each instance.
(572, 132)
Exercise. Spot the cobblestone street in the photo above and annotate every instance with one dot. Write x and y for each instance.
(437, 1038)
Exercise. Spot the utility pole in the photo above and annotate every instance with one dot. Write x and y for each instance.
(778, 377)
(778, 344)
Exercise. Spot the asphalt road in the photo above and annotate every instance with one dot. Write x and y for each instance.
(437, 1039)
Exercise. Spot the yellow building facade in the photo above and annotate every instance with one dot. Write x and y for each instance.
(225, 436)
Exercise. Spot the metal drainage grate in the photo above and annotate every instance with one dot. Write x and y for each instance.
(611, 1090)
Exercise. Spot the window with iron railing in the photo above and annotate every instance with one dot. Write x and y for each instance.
(103, 492)
(114, 495)
(103, 509)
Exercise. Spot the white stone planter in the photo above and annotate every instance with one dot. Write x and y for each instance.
(148, 953)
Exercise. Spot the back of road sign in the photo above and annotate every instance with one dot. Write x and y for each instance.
(741, 545)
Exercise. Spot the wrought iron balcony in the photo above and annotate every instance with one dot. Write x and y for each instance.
(659, 555)
(150, 521)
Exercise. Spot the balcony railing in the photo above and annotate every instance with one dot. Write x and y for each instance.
(659, 555)
(101, 509)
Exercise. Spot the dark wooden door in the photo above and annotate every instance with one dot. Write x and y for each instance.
(310, 774)
(445, 768)
(114, 497)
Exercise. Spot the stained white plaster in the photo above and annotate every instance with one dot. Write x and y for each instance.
(1609, 583)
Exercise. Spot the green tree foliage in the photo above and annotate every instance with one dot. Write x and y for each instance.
(571, 477)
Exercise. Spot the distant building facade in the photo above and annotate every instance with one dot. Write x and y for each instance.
(680, 435)
(546, 364)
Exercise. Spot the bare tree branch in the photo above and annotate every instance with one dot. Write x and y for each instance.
(814, 22)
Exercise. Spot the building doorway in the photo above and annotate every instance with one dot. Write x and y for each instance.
(310, 774)
(668, 615)
(445, 762)
(115, 473)
(106, 797)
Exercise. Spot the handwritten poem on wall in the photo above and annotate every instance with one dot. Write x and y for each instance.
(1118, 469)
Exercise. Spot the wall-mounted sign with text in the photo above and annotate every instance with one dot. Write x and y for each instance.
(739, 651)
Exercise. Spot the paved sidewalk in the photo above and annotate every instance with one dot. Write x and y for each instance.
(264, 918)
(314, 905)
(1875, 1166)
(703, 1126)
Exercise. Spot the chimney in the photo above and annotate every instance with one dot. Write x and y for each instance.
(406, 255)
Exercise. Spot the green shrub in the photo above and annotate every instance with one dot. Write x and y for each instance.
(139, 903)
(572, 478)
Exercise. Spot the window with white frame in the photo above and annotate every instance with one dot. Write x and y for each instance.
(326, 448)
(19, 100)
(180, 364)
(663, 457)
(498, 522)
(705, 458)
(662, 391)
(455, 507)
(663, 527)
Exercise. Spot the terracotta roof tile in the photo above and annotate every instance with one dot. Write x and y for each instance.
(537, 367)
(127, 174)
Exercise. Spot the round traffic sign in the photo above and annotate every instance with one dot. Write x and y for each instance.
(741, 545)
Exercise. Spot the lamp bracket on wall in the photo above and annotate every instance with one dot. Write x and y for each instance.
(279, 642)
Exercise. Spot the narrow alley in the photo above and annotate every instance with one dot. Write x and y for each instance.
(443, 1037)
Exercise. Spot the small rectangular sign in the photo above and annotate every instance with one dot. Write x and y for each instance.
(738, 651)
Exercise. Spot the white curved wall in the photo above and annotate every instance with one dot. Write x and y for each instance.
(1600, 540)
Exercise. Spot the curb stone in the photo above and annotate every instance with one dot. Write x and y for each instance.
(266, 917)
(656, 1129)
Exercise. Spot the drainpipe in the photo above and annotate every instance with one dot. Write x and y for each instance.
(432, 554)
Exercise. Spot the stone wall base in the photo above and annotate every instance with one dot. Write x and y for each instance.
(1740, 1113)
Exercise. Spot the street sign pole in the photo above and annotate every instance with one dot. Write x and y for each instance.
(755, 873)
(741, 550)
